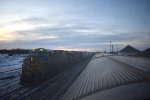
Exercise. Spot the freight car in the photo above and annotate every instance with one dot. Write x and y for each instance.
(42, 64)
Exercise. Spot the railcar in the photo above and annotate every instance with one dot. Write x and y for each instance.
(42, 64)
(34, 67)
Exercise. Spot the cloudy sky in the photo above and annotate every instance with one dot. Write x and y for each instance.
(74, 24)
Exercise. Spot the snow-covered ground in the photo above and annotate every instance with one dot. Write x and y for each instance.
(10, 69)
(10, 62)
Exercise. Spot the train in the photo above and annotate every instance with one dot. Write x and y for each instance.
(42, 64)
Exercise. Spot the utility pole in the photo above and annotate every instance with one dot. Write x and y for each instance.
(117, 51)
(110, 46)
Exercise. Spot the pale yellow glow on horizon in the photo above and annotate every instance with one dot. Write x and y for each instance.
(73, 49)
(7, 37)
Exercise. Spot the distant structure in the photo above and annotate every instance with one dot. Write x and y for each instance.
(105, 50)
(110, 46)
(146, 53)
(128, 51)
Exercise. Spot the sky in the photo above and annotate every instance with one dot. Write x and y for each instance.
(86, 25)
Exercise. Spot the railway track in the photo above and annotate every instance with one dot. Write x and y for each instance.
(8, 95)
(9, 83)
(21, 92)
(9, 78)
(103, 72)
(7, 75)
(11, 70)
(61, 92)
(16, 94)
(55, 88)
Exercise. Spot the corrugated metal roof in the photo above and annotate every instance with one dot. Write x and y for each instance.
(100, 74)
(143, 64)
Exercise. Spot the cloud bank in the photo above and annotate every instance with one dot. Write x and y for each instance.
(75, 25)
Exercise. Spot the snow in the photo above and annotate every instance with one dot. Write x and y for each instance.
(10, 69)
(10, 62)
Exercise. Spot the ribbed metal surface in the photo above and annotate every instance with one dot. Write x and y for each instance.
(140, 63)
(102, 73)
